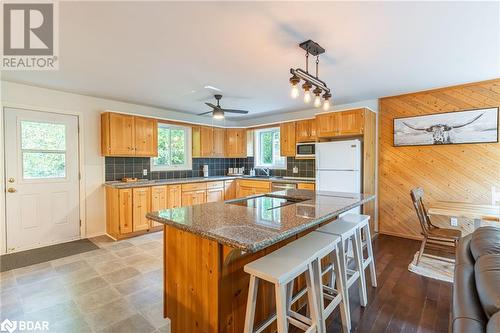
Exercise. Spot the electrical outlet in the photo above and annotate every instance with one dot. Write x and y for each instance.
(295, 169)
(454, 222)
(144, 172)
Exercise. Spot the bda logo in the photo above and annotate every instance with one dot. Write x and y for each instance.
(30, 35)
(8, 325)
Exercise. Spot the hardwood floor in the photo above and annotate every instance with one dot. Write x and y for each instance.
(403, 301)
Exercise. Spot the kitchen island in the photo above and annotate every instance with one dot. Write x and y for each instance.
(206, 247)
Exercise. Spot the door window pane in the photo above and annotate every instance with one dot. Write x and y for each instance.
(43, 136)
(38, 165)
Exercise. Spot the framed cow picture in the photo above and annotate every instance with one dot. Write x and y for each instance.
(471, 126)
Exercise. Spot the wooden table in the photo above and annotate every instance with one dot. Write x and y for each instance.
(477, 212)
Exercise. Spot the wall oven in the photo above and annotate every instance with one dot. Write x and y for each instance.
(305, 150)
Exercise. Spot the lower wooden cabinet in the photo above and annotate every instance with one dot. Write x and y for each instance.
(190, 198)
(215, 191)
(159, 201)
(125, 216)
(246, 187)
(306, 186)
(174, 196)
(141, 198)
(229, 189)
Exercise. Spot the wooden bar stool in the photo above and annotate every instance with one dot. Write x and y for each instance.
(281, 267)
(348, 233)
(363, 226)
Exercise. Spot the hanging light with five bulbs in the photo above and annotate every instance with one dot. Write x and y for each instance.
(298, 74)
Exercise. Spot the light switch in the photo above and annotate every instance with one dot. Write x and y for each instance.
(144, 172)
(295, 169)
(454, 222)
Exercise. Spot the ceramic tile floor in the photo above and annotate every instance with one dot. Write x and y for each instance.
(117, 288)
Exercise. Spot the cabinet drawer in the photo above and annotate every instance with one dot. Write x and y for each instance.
(306, 186)
(211, 185)
(194, 187)
(261, 184)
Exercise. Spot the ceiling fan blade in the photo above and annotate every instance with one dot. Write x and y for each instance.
(235, 111)
(201, 114)
(212, 106)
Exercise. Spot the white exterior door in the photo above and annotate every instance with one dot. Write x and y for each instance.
(42, 172)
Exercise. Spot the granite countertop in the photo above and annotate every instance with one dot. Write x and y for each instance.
(159, 182)
(254, 228)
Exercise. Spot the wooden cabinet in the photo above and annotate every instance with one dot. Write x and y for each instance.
(246, 187)
(208, 141)
(306, 186)
(287, 139)
(215, 194)
(351, 122)
(236, 142)
(219, 135)
(159, 201)
(124, 135)
(141, 198)
(305, 130)
(193, 194)
(345, 123)
(229, 189)
(146, 137)
(125, 216)
(174, 196)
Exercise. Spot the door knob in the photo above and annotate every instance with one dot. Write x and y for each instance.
(11, 180)
(11, 190)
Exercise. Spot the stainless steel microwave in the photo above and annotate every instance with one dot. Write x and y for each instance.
(305, 150)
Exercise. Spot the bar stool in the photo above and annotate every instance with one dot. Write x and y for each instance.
(281, 267)
(348, 233)
(363, 228)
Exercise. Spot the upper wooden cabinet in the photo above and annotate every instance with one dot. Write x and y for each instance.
(305, 130)
(345, 123)
(236, 142)
(287, 139)
(208, 141)
(124, 135)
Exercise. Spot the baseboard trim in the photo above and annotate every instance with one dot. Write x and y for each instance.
(397, 234)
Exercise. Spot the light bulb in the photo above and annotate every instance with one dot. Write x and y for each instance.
(326, 105)
(317, 101)
(295, 91)
(307, 97)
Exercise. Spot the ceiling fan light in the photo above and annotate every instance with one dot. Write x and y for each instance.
(218, 114)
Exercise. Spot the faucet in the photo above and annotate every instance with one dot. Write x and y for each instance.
(266, 171)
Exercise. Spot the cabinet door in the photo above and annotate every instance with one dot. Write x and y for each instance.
(327, 124)
(121, 135)
(200, 197)
(190, 198)
(207, 141)
(244, 191)
(287, 139)
(146, 137)
(351, 122)
(158, 201)
(229, 189)
(196, 138)
(174, 196)
(236, 142)
(218, 142)
(214, 195)
(142, 205)
(305, 130)
(125, 211)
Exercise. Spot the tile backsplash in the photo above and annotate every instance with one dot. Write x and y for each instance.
(119, 167)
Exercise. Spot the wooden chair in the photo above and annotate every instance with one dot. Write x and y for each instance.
(432, 234)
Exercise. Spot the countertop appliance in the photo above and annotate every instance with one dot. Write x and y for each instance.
(338, 167)
(305, 150)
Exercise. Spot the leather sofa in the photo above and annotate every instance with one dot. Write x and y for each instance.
(476, 288)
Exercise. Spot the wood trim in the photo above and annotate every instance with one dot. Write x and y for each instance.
(401, 235)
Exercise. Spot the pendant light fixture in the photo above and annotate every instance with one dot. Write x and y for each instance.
(299, 74)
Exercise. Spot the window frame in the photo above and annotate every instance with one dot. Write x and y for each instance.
(257, 151)
(188, 150)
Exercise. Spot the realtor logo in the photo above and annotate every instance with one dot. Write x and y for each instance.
(30, 35)
(8, 326)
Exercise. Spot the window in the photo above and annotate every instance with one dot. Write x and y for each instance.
(43, 149)
(267, 149)
(174, 148)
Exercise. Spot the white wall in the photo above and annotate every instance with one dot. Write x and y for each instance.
(89, 109)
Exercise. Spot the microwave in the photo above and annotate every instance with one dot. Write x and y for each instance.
(305, 150)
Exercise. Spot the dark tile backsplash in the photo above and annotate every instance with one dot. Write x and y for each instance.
(119, 167)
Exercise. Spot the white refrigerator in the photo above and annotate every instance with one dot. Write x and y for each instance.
(338, 167)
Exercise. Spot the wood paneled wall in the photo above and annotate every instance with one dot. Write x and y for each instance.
(463, 172)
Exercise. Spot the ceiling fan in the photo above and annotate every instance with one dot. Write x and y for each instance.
(218, 112)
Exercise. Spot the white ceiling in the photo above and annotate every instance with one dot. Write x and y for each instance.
(164, 53)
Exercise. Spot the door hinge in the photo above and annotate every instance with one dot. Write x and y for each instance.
(79, 176)
(80, 223)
